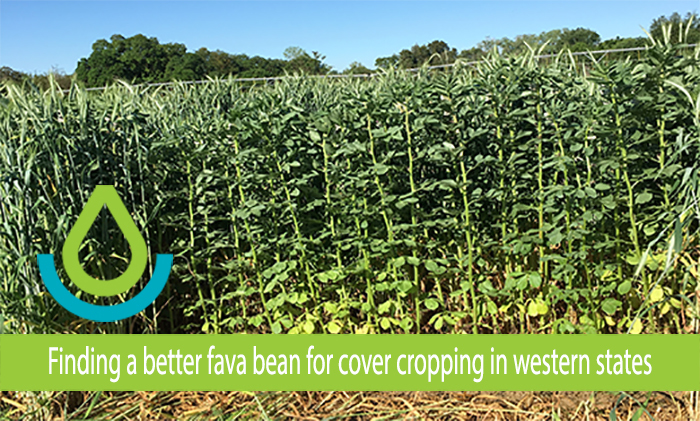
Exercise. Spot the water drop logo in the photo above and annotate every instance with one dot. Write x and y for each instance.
(105, 195)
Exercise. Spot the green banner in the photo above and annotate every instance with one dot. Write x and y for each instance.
(350, 362)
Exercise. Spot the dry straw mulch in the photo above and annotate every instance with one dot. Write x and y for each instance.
(348, 405)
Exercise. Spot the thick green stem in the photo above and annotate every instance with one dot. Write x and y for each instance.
(414, 222)
(193, 263)
(382, 198)
(261, 286)
(236, 242)
(540, 191)
(470, 247)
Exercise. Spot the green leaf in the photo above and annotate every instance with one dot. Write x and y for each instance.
(643, 198)
(413, 261)
(656, 294)
(330, 307)
(381, 169)
(610, 305)
(491, 307)
(309, 327)
(440, 270)
(637, 327)
(431, 265)
(438, 323)
(333, 327)
(384, 307)
(532, 309)
(677, 236)
(542, 307)
(270, 286)
(279, 267)
(406, 323)
(624, 287)
(431, 303)
(385, 323)
(405, 286)
(314, 136)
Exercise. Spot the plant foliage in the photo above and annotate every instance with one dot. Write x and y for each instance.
(509, 197)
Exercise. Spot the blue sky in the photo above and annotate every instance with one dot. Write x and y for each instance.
(36, 36)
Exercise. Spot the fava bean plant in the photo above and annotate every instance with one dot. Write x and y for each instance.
(514, 196)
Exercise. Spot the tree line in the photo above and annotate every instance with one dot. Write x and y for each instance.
(140, 59)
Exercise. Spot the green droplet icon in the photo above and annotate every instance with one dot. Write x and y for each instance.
(104, 195)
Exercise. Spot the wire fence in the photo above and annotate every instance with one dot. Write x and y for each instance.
(369, 75)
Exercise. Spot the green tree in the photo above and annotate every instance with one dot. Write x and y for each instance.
(136, 59)
(472, 54)
(291, 53)
(619, 43)
(190, 66)
(42, 81)
(299, 61)
(9, 74)
(260, 67)
(434, 53)
(579, 39)
(387, 62)
(356, 68)
(219, 64)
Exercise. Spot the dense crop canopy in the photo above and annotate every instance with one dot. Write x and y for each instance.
(515, 196)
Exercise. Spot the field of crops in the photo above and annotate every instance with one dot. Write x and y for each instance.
(510, 197)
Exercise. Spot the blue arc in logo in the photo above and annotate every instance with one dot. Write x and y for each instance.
(80, 308)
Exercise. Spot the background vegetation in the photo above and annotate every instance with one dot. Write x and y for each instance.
(140, 59)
